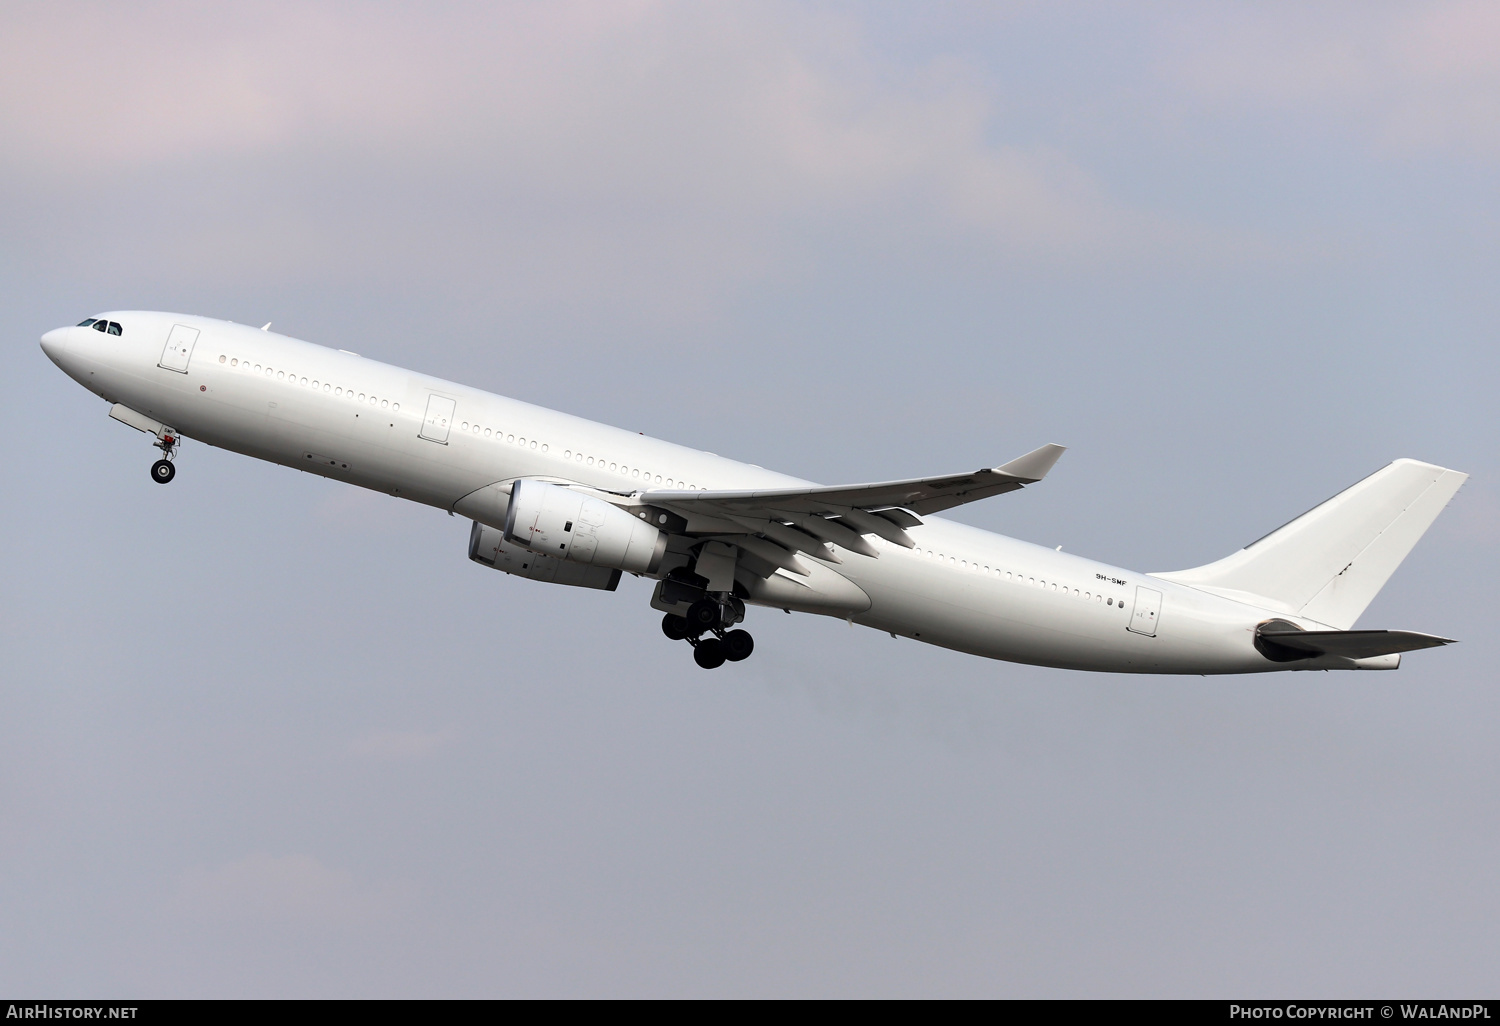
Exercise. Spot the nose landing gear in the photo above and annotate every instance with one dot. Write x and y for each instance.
(163, 470)
(706, 628)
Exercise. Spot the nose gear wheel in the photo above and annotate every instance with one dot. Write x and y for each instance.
(163, 470)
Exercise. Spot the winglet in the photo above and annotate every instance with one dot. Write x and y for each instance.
(1034, 465)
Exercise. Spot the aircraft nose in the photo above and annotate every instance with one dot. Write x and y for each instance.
(55, 344)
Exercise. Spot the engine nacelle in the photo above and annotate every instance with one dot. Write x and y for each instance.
(579, 528)
(488, 547)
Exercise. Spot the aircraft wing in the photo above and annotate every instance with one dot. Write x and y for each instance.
(810, 519)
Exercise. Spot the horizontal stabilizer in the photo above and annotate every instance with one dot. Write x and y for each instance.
(1349, 644)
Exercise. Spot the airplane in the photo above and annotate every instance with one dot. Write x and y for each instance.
(558, 499)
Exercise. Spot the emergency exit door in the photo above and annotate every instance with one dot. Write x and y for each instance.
(179, 348)
(439, 419)
(1147, 611)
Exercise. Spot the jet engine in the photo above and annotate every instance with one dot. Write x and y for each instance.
(488, 547)
(579, 528)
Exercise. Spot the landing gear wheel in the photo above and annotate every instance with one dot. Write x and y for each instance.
(674, 627)
(738, 645)
(703, 615)
(162, 471)
(709, 653)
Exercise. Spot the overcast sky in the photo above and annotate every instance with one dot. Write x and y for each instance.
(267, 735)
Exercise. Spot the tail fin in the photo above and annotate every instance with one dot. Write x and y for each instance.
(1330, 562)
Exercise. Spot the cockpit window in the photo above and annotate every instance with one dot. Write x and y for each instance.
(114, 328)
(85, 324)
(101, 325)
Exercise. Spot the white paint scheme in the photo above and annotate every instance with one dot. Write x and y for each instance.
(460, 449)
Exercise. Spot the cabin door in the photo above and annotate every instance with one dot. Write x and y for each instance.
(179, 349)
(439, 419)
(1147, 611)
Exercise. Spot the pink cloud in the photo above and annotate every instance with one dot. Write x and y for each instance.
(1416, 78)
(737, 115)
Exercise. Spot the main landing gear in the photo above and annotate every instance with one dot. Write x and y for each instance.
(706, 628)
(163, 470)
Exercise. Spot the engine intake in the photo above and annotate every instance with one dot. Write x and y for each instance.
(568, 525)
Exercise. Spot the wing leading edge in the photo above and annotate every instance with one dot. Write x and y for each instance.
(921, 495)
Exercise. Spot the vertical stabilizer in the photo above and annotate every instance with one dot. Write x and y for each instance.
(1329, 563)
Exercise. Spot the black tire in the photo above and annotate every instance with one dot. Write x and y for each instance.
(709, 653)
(162, 471)
(674, 627)
(703, 615)
(738, 645)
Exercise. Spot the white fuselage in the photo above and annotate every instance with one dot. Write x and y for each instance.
(343, 416)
